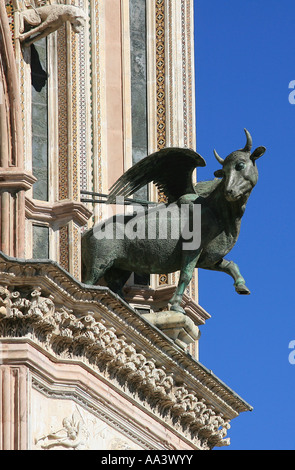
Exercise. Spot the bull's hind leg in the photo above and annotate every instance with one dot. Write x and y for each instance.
(97, 258)
(116, 279)
(92, 273)
(189, 261)
(231, 268)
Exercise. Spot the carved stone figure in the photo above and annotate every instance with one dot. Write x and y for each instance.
(222, 201)
(5, 301)
(69, 436)
(45, 20)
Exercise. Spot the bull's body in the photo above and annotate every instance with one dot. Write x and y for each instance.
(222, 208)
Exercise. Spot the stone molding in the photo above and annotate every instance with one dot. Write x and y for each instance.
(73, 322)
(57, 213)
(15, 179)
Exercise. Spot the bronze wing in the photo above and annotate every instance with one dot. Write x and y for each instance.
(170, 169)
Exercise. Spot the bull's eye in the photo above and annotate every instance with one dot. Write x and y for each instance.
(240, 166)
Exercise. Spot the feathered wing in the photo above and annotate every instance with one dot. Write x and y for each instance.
(170, 169)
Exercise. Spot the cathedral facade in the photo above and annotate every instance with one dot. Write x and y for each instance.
(87, 89)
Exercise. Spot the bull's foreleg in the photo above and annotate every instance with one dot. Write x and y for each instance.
(189, 262)
(232, 269)
(42, 34)
(40, 26)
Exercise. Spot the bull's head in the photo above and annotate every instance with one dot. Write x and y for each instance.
(239, 170)
(78, 24)
(77, 19)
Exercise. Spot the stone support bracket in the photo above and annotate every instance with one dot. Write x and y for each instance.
(176, 326)
(158, 298)
(15, 179)
(57, 213)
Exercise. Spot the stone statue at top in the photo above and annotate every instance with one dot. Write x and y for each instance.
(207, 214)
(37, 23)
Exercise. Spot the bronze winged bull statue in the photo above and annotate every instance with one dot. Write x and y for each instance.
(221, 203)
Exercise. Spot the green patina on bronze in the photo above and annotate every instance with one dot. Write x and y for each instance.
(222, 200)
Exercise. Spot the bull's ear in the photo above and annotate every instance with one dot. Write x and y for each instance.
(218, 173)
(257, 153)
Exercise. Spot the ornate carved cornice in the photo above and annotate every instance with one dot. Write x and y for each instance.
(70, 321)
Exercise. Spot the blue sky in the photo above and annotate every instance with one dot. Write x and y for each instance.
(245, 60)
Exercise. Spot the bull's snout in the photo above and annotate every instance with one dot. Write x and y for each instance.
(229, 195)
(232, 194)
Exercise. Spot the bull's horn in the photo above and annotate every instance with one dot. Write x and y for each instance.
(248, 145)
(218, 158)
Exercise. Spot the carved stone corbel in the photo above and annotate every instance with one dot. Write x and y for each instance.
(37, 23)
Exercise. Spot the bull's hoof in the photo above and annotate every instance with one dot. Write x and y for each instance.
(242, 289)
(177, 308)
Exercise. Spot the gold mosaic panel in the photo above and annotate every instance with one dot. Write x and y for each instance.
(160, 93)
(63, 164)
(160, 73)
(64, 247)
(76, 240)
(75, 118)
(10, 13)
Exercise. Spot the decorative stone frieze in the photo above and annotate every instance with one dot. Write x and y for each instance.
(42, 304)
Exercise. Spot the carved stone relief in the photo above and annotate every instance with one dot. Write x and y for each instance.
(66, 426)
